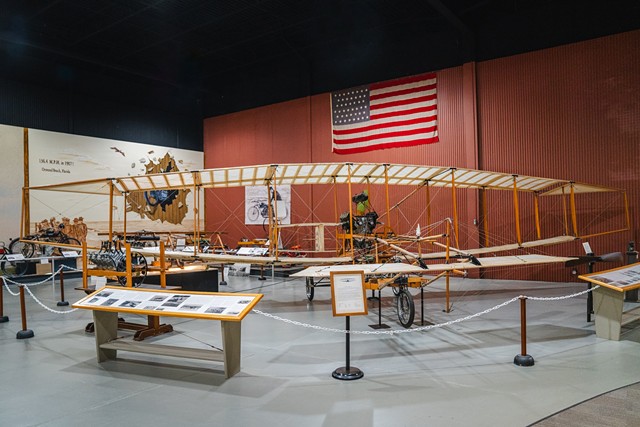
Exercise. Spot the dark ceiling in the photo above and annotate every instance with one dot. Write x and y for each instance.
(220, 56)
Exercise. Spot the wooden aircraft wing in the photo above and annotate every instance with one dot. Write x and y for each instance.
(369, 269)
(499, 261)
(500, 248)
(232, 259)
(403, 268)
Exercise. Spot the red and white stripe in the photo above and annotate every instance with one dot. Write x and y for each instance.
(403, 113)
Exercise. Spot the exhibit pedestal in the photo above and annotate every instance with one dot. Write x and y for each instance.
(107, 344)
(608, 305)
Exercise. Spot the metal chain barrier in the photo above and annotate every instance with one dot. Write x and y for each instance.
(422, 328)
(45, 307)
(307, 325)
(4, 280)
(27, 287)
(577, 294)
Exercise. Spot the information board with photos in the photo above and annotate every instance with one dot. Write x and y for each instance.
(203, 305)
(621, 279)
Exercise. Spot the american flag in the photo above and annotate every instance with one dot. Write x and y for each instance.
(397, 113)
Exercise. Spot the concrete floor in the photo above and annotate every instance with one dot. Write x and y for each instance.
(458, 375)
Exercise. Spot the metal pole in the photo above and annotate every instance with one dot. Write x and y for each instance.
(523, 359)
(348, 372)
(590, 294)
(632, 258)
(523, 325)
(24, 333)
(62, 302)
(422, 305)
(348, 364)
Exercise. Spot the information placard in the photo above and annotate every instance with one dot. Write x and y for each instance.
(202, 305)
(348, 295)
(621, 279)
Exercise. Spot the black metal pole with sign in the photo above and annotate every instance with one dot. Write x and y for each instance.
(348, 298)
(348, 372)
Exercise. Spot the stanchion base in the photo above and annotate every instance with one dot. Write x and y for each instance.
(379, 326)
(262, 278)
(27, 333)
(223, 283)
(523, 360)
(343, 373)
(62, 303)
(4, 319)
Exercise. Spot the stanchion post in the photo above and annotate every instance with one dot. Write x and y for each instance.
(632, 258)
(62, 302)
(347, 372)
(262, 273)
(3, 318)
(222, 281)
(24, 333)
(379, 325)
(523, 359)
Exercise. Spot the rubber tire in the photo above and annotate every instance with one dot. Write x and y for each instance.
(13, 268)
(139, 272)
(310, 289)
(18, 247)
(253, 213)
(406, 308)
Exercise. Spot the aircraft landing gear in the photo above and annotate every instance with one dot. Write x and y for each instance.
(406, 308)
(310, 288)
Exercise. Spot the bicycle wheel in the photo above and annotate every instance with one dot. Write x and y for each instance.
(310, 288)
(406, 308)
(25, 248)
(139, 270)
(253, 214)
(12, 268)
(71, 241)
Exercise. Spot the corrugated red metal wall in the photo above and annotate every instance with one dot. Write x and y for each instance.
(300, 131)
(570, 112)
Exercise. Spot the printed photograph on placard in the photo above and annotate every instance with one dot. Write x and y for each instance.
(257, 200)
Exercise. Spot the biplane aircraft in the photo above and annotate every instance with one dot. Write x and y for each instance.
(367, 237)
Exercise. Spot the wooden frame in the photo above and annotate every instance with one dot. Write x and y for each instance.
(621, 279)
(348, 293)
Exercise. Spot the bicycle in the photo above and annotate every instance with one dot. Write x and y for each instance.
(11, 268)
(31, 246)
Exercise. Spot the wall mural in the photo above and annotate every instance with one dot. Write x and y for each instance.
(57, 158)
(163, 205)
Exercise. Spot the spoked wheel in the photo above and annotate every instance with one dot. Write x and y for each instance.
(406, 308)
(24, 248)
(74, 242)
(253, 214)
(12, 268)
(139, 270)
(310, 288)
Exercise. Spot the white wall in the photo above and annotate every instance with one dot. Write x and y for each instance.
(11, 181)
